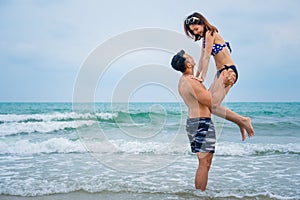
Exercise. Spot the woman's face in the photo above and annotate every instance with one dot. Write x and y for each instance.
(197, 29)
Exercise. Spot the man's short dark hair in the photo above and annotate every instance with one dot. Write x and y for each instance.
(178, 61)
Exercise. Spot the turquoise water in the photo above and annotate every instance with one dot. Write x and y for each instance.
(50, 148)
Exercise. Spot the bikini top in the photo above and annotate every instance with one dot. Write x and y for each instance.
(218, 47)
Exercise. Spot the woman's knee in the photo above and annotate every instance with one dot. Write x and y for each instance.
(214, 107)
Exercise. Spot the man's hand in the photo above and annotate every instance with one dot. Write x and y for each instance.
(228, 77)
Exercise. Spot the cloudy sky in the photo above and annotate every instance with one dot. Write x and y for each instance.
(45, 44)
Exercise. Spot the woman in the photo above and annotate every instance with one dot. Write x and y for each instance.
(197, 27)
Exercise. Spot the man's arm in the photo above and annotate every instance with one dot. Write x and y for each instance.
(201, 93)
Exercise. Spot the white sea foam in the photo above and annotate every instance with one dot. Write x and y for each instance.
(32, 187)
(44, 117)
(53, 145)
(136, 147)
(57, 116)
(41, 127)
(64, 145)
(222, 149)
(240, 149)
(107, 116)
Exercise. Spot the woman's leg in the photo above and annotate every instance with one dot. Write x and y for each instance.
(218, 92)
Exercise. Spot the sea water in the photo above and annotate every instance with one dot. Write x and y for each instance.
(142, 148)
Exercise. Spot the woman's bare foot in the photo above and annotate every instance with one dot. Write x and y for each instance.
(246, 121)
(243, 132)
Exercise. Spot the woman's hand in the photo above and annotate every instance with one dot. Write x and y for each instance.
(196, 78)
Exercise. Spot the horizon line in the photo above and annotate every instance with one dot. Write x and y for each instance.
(144, 102)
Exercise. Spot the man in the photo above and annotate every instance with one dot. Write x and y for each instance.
(200, 128)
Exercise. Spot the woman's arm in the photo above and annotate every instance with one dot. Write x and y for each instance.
(209, 40)
(200, 66)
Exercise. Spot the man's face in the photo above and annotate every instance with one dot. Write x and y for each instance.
(189, 59)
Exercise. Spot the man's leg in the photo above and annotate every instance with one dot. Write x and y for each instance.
(201, 177)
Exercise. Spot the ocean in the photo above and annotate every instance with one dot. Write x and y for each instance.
(141, 151)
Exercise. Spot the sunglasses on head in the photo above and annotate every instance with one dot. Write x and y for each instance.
(191, 20)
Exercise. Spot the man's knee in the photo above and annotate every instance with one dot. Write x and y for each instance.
(205, 162)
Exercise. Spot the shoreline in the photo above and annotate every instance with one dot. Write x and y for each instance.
(106, 195)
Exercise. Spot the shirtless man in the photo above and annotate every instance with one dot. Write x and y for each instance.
(200, 128)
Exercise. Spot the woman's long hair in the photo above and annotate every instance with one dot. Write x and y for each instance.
(200, 20)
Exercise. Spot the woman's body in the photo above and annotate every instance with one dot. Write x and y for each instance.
(197, 27)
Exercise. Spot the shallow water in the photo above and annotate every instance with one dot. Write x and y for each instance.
(142, 150)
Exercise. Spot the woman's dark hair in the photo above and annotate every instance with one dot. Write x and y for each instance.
(197, 18)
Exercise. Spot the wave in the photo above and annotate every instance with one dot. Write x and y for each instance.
(53, 145)
(240, 149)
(65, 145)
(11, 129)
(27, 123)
(47, 117)
(70, 116)
(85, 186)
(12, 124)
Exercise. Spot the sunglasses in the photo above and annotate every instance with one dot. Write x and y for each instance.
(191, 20)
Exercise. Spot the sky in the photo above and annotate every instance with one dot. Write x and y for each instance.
(45, 45)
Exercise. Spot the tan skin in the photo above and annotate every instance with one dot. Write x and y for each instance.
(198, 100)
(195, 95)
(221, 59)
(221, 86)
